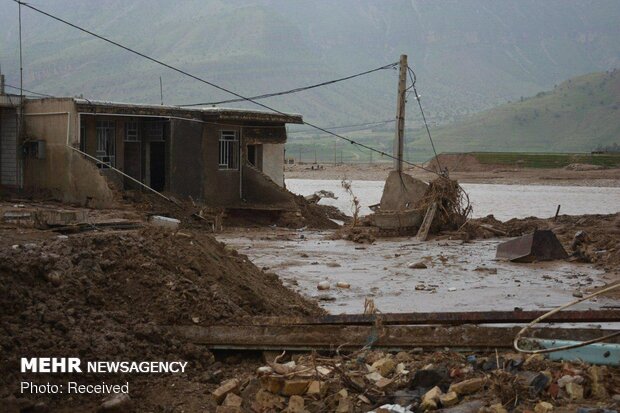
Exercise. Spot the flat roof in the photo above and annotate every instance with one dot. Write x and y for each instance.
(207, 113)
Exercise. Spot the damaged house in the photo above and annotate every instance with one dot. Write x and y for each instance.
(228, 158)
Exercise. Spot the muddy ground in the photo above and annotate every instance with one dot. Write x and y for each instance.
(488, 174)
(108, 292)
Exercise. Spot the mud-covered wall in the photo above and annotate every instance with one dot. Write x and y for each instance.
(186, 159)
(260, 189)
(273, 162)
(65, 174)
(220, 187)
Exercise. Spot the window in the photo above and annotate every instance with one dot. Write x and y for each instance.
(154, 131)
(131, 131)
(105, 141)
(229, 150)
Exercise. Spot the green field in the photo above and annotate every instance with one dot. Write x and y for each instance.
(547, 160)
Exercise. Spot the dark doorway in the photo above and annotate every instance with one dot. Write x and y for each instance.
(133, 163)
(158, 165)
(252, 154)
(255, 155)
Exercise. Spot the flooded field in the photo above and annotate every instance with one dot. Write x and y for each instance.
(503, 201)
(459, 276)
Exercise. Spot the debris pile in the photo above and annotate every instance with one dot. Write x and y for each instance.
(418, 382)
(453, 206)
(109, 295)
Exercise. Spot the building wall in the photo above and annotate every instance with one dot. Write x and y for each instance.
(273, 162)
(8, 147)
(186, 159)
(64, 173)
(220, 187)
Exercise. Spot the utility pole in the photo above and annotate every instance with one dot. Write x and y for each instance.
(335, 143)
(400, 115)
(299, 153)
(161, 92)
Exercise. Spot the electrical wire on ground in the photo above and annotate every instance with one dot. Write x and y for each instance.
(216, 86)
(557, 310)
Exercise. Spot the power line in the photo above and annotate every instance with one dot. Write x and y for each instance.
(331, 128)
(296, 90)
(413, 78)
(183, 72)
(29, 91)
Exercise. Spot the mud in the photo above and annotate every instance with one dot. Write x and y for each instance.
(107, 295)
(458, 275)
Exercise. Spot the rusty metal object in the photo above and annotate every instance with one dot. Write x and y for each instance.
(331, 337)
(541, 245)
(453, 318)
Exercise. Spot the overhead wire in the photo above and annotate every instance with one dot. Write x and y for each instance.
(29, 91)
(216, 86)
(414, 79)
(379, 122)
(296, 90)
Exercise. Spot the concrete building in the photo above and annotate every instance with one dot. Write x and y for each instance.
(227, 158)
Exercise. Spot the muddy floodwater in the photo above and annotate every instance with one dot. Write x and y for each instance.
(503, 201)
(459, 276)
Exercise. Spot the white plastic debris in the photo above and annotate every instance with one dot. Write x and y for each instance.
(165, 222)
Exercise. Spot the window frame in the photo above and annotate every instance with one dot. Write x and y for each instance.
(228, 150)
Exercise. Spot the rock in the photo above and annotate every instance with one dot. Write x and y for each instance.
(497, 408)
(539, 383)
(420, 265)
(323, 285)
(266, 401)
(383, 383)
(228, 409)
(272, 384)
(374, 376)
(295, 387)
(344, 405)
(574, 390)
(468, 386)
(427, 378)
(261, 371)
(38, 407)
(316, 387)
(469, 407)
(229, 386)
(295, 405)
(597, 382)
(430, 399)
(342, 284)
(384, 366)
(564, 380)
(402, 356)
(449, 399)
(232, 400)
(116, 403)
(543, 407)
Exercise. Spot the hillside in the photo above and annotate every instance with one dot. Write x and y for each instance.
(469, 55)
(577, 115)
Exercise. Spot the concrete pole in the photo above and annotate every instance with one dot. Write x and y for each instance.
(400, 115)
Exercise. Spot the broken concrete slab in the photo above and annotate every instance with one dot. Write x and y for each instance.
(541, 245)
(401, 192)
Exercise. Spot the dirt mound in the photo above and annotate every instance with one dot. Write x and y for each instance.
(108, 295)
(583, 167)
(458, 162)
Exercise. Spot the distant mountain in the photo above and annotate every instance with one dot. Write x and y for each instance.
(469, 55)
(578, 115)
